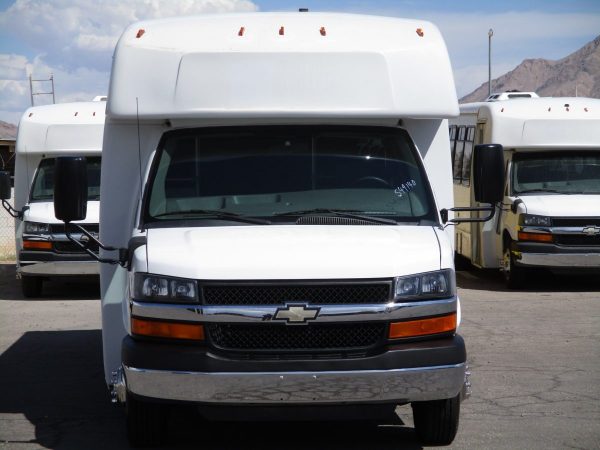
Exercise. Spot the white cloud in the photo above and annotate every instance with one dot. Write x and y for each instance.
(12, 67)
(70, 85)
(74, 41)
(72, 33)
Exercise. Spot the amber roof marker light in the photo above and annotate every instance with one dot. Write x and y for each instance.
(420, 32)
(140, 33)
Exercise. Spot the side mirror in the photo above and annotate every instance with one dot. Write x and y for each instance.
(4, 185)
(488, 173)
(70, 188)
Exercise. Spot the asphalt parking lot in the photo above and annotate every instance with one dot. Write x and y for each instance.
(534, 354)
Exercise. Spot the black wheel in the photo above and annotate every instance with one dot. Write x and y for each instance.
(436, 421)
(31, 286)
(514, 276)
(146, 423)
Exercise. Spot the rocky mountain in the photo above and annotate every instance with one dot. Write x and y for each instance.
(7, 130)
(580, 70)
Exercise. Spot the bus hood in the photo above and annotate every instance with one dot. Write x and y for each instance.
(43, 212)
(557, 205)
(285, 252)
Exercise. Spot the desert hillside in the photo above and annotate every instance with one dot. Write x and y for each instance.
(580, 70)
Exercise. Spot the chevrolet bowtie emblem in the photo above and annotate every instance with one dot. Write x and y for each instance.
(591, 231)
(296, 314)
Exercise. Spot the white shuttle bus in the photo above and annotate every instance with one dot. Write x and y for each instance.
(276, 187)
(549, 217)
(42, 248)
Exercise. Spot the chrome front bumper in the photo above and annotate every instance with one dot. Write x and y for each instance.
(269, 388)
(566, 260)
(59, 268)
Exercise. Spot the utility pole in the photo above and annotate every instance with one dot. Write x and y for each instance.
(32, 94)
(490, 34)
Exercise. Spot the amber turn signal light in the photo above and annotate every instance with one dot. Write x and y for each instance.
(537, 237)
(423, 327)
(173, 330)
(37, 245)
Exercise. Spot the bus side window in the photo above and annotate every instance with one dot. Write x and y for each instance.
(458, 155)
(452, 142)
(467, 154)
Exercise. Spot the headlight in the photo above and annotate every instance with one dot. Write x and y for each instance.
(533, 220)
(164, 289)
(439, 284)
(36, 228)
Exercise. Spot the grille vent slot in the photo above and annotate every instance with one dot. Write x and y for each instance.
(575, 221)
(279, 294)
(302, 338)
(576, 240)
(333, 220)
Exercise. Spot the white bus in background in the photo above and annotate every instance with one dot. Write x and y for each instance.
(550, 215)
(288, 246)
(46, 132)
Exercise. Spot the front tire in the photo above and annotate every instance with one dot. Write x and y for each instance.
(146, 423)
(436, 421)
(514, 276)
(31, 286)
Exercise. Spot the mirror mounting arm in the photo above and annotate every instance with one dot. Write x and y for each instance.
(123, 254)
(12, 211)
(490, 209)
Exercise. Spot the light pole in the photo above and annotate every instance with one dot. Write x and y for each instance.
(490, 34)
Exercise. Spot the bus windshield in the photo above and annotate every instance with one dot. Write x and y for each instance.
(276, 172)
(42, 189)
(556, 172)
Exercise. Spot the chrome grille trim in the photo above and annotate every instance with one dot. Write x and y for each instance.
(262, 314)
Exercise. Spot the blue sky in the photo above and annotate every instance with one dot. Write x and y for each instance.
(73, 39)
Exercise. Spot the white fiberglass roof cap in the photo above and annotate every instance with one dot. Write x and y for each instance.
(281, 64)
(64, 127)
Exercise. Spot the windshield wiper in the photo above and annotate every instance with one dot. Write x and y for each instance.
(211, 213)
(349, 213)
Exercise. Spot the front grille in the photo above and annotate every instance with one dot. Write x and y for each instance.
(575, 221)
(577, 240)
(59, 228)
(70, 247)
(296, 338)
(316, 294)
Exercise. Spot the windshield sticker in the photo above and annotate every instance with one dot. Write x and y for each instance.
(405, 188)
